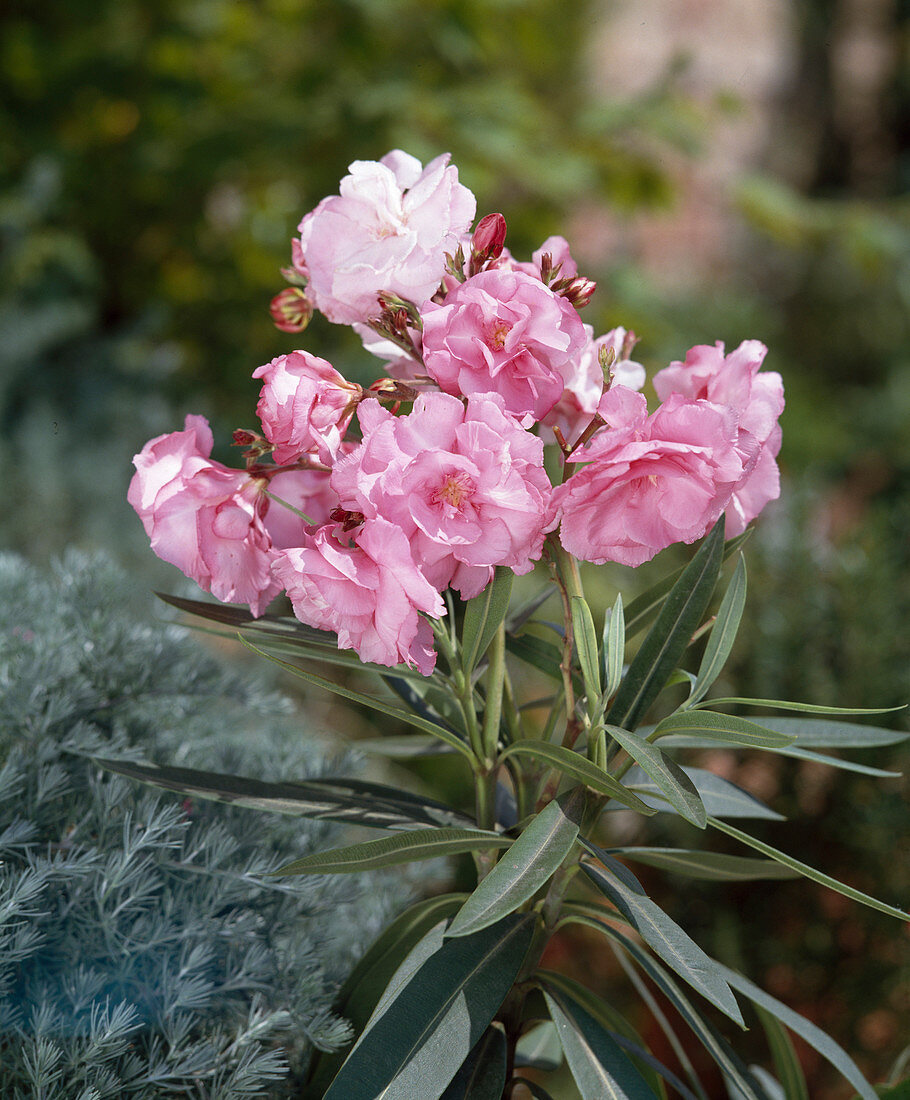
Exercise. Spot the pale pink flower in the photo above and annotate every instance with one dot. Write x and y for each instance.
(584, 381)
(503, 332)
(305, 405)
(216, 524)
(203, 517)
(370, 594)
(387, 230)
(758, 400)
(466, 485)
(649, 481)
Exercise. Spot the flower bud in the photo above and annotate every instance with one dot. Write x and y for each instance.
(291, 310)
(578, 290)
(489, 238)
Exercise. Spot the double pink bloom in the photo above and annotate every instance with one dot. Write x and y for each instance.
(491, 354)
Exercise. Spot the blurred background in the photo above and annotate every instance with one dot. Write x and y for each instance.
(724, 170)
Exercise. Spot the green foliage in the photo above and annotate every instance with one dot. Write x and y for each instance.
(142, 952)
(473, 981)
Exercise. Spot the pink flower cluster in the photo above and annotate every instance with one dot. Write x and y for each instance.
(488, 361)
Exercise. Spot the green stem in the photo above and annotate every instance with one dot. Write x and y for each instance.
(492, 713)
(485, 800)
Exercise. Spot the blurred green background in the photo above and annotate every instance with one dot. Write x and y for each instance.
(725, 170)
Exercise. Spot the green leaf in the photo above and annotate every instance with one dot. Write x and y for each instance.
(483, 1073)
(825, 734)
(393, 849)
(660, 932)
(614, 644)
(352, 801)
(786, 1064)
(529, 863)
(381, 705)
(644, 607)
(660, 652)
(537, 1091)
(403, 748)
(368, 980)
(600, 1068)
(807, 871)
(806, 708)
(536, 652)
(721, 797)
(539, 1048)
(707, 1033)
(728, 729)
(483, 616)
(706, 866)
(586, 648)
(813, 1035)
(723, 634)
(414, 1044)
(525, 610)
(670, 779)
(577, 767)
(282, 634)
(619, 1029)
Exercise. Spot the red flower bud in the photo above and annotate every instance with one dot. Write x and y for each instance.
(291, 310)
(489, 238)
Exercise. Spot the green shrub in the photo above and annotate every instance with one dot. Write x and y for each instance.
(142, 953)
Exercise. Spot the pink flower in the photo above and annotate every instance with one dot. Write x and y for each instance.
(466, 486)
(758, 401)
(388, 229)
(575, 409)
(503, 332)
(216, 524)
(370, 594)
(304, 405)
(650, 481)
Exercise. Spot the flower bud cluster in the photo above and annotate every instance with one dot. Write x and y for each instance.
(488, 361)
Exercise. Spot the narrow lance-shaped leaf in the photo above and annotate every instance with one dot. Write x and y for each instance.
(807, 871)
(825, 734)
(415, 1044)
(786, 1063)
(660, 932)
(281, 634)
(393, 849)
(814, 1036)
(614, 643)
(586, 648)
(369, 979)
(482, 1075)
(351, 801)
(577, 767)
(619, 1029)
(723, 633)
(707, 1033)
(706, 866)
(721, 797)
(727, 729)
(442, 732)
(644, 607)
(528, 864)
(600, 1067)
(671, 780)
(671, 633)
(805, 708)
(482, 617)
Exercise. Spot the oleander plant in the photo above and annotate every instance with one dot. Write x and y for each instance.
(503, 437)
